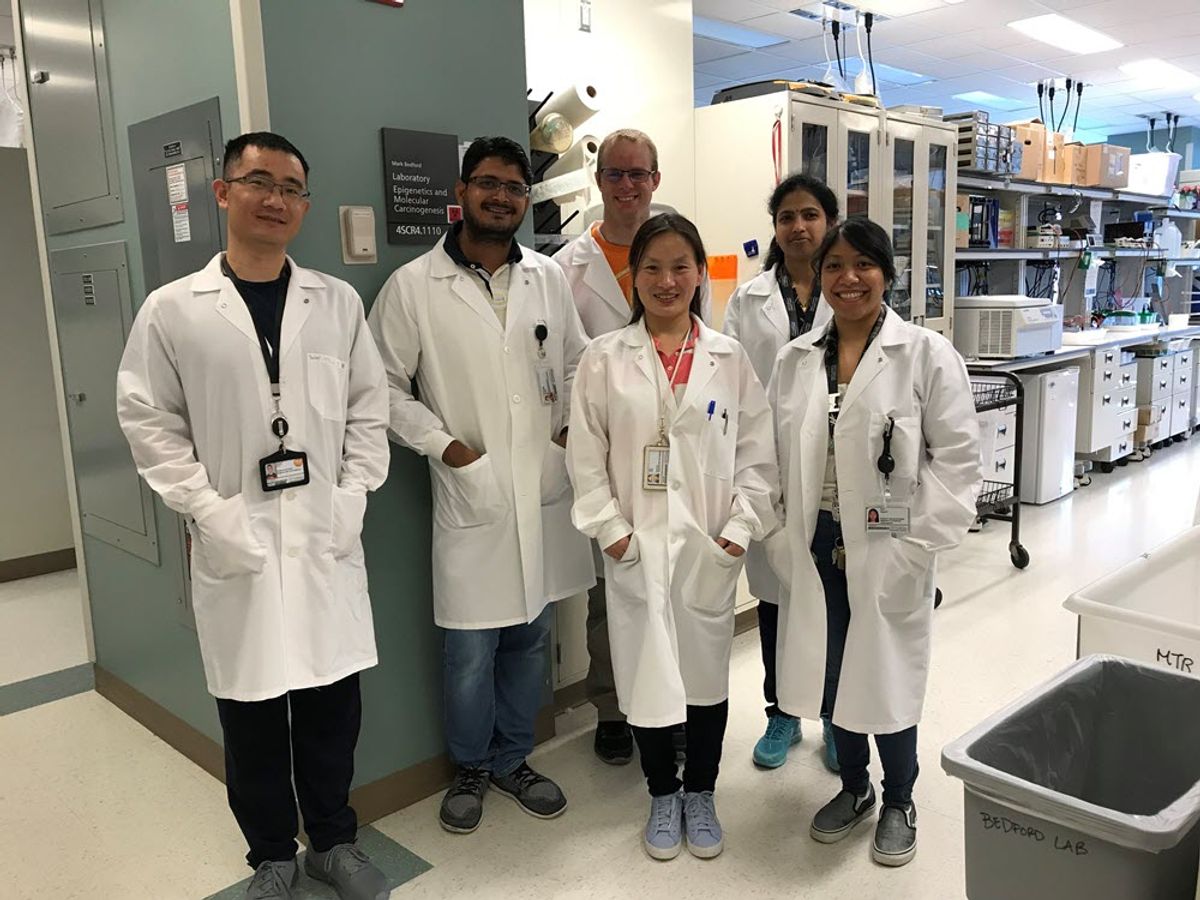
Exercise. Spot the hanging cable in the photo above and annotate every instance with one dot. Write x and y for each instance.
(1066, 109)
(869, 20)
(825, 45)
(1041, 92)
(1078, 103)
(1150, 134)
(836, 29)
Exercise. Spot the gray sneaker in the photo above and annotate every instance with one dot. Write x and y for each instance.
(350, 871)
(895, 836)
(704, 836)
(462, 806)
(536, 794)
(273, 881)
(836, 818)
(664, 828)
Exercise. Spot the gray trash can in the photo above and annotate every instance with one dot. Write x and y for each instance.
(1086, 788)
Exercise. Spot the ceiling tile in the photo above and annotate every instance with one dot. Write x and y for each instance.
(700, 80)
(745, 66)
(786, 25)
(730, 10)
(706, 50)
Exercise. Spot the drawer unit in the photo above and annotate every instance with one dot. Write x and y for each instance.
(1119, 449)
(1156, 379)
(1183, 378)
(1181, 414)
(1002, 465)
(1127, 375)
(1004, 427)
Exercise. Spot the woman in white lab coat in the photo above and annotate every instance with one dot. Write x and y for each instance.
(778, 305)
(673, 465)
(879, 455)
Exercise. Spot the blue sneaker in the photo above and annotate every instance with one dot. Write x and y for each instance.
(704, 836)
(831, 760)
(664, 828)
(772, 748)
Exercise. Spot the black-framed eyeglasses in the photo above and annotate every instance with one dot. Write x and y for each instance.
(260, 184)
(614, 176)
(518, 190)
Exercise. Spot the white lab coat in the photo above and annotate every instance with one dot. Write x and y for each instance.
(278, 580)
(916, 377)
(602, 305)
(502, 545)
(671, 598)
(757, 318)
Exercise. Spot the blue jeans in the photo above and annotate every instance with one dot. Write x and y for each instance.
(897, 752)
(494, 682)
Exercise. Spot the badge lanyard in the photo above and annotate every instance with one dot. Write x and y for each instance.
(547, 384)
(800, 320)
(656, 456)
(831, 377)
(284, 468)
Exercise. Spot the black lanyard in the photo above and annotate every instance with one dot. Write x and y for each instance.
(800, 320)
(830, 341)
(270, 353)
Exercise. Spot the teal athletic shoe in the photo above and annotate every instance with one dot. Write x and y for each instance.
(772, 748)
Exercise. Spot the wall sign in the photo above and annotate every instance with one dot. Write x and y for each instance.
(420, 169)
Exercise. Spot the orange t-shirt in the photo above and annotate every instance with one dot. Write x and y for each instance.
(618, 261)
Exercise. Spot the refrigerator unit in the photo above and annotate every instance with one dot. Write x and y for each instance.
(1048, 448)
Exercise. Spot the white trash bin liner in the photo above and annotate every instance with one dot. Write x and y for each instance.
(1086, 788)
(1148, 610)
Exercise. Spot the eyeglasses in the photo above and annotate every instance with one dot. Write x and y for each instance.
(265, 187)
(516, 189)
(614, 176)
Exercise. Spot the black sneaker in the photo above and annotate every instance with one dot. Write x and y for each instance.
(614, 743)
(895, 836)
(462, 807)
(536, 794)
(679, 742)
(836, 818)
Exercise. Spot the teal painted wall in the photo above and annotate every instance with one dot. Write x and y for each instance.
(338, 71)
(162, 54)
(1187, 143)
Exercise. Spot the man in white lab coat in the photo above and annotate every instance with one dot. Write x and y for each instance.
(486, 330)
(254, 402)
(597, 266)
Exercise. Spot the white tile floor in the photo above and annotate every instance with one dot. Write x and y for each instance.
(109, 811)
(41, 626)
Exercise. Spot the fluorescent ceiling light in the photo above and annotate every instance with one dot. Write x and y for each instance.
(983, 98)
(1157, 74)
(888, 74)
(734, 34)
(1059, 31)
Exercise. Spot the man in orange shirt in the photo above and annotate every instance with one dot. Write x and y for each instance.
(597, 266)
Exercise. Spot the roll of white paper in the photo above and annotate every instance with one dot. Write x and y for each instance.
(553, 134)
(580, 156)
(576, 104)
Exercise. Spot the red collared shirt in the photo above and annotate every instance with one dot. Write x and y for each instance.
(678, 365)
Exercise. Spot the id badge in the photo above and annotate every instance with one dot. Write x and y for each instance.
(654, 467)
(283, 469)
(547, 385)
(892, 519)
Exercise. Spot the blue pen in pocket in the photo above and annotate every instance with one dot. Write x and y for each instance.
(712, 408)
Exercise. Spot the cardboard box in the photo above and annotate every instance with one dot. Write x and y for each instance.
(1068, 164)
(1031, 137)
(1149, 415)
(1107, 166)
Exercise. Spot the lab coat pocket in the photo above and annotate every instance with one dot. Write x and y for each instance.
(555, 483)
(908, 582)
(907, 447)
(468, 496)
(347, 520)
(712, 591)
(227, 546)
(327, 378)
(633, 552)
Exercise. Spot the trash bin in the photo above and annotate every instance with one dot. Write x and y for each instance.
(1148, 610)
(1086, 788)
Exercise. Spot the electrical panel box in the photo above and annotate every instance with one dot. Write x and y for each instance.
(94, 313)
(71, 109)
(175, 157)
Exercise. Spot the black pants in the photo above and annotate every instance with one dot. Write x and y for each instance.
(898, 751)
(768, 635)
(705, 735)
(263, 750)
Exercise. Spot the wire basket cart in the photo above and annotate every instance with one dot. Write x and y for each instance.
(998, 499)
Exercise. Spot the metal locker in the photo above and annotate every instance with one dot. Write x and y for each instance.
(94, 312)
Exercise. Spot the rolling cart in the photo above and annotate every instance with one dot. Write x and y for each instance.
(999, 499)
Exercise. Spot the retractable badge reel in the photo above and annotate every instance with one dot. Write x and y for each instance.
(547, 384)
(284, 468)
(886, 516)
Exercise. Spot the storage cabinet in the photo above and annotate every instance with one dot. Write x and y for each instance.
(899, 170)
(1107, 419)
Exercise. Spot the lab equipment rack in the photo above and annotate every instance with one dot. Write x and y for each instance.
(1000, 500)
